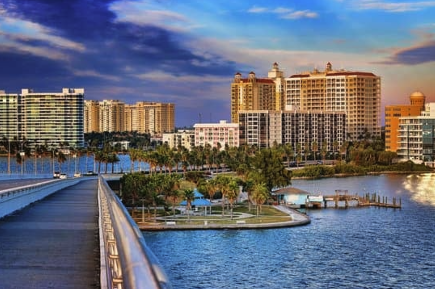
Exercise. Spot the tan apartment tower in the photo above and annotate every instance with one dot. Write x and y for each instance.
(356, 93)
(91, 116)
(111, 115)
(251, 93)
(392, 118)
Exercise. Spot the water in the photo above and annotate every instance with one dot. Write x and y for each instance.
(83, 164)
(353, 248)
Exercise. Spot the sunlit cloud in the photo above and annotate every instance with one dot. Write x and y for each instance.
(92, 73)
(392, 6)
(164, 77)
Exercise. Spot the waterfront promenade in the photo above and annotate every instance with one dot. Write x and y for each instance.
(54, 242)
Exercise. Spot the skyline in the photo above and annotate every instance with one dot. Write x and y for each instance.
(187, 53)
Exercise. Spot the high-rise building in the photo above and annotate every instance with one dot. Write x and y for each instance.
(92, 116)
(393, 114)
(358, 94)
(297, 128)
(416, 139)
(51, 119)
(143, 117)
(252, 93)
(8, 115)
(111, 115)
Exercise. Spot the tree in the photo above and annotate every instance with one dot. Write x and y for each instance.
(260, 194)
(188, 196)
(270, 169)
(232, 194)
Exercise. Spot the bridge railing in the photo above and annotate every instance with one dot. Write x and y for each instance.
(16, 198)
(126, 261)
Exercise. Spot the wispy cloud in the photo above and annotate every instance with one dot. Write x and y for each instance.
(285, 13)
(392, 6)
(300, 14)
(140, 14)
(17, 30)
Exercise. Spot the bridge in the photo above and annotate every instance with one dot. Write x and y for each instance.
(72, 233)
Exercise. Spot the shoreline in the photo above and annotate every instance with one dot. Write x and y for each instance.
(298, 219)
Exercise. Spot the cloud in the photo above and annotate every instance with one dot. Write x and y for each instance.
(392, 6)
(300, 14)
(418, 54)
(256, 9)
(285, 13)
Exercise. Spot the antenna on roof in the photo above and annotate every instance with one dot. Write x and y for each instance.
(200, 118)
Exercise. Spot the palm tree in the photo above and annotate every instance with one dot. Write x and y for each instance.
(188, 196)
(232, 194)
(260, 194)
(315, 148)
(211, 187)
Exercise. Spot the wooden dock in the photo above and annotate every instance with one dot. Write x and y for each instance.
(343, 199)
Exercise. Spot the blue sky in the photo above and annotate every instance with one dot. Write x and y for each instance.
(187, 52)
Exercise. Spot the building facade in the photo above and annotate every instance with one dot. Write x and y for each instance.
(301, 129)
(181, 138)
(91, 116)
(50, 119)
(252, 93)
(393, 114)
(358, 94)
(416, 137)
(144, 117)
(217, 134)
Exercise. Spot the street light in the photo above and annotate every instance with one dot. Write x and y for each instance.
(22, 154)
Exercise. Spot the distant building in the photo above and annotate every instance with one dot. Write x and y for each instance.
(111, 115)
(217, 134)
(297, 128)
(252, 93)
(92, 116)
(44, 118)
(143, 117)
(181, 138)
(356, 93)
(393, 114)
(416, 137)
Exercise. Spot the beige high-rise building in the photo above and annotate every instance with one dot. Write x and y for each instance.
(150, 117)
(92, 116)
(111, 115)
(252, 93)
(358, 94)
(143, 117)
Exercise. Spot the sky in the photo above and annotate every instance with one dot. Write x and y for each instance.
(187, 52)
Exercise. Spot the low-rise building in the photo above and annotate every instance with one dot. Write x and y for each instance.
(217, 134)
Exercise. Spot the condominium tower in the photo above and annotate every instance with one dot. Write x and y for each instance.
(43, 118)
(301, 129)
(252, 93)
(143, 117)
(393, 113)
(358, 94)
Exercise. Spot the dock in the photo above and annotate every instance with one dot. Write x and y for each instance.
(343, 199)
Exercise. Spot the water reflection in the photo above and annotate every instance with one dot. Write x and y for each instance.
(421, 188)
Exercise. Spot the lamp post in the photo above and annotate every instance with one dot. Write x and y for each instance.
(22, 154)
(9, 156)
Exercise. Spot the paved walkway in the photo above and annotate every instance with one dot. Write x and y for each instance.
(53, 243)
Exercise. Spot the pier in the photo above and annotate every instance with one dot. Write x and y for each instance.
(342, 198)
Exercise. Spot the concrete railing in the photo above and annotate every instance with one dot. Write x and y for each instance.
(126, 261)
(14, 199)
